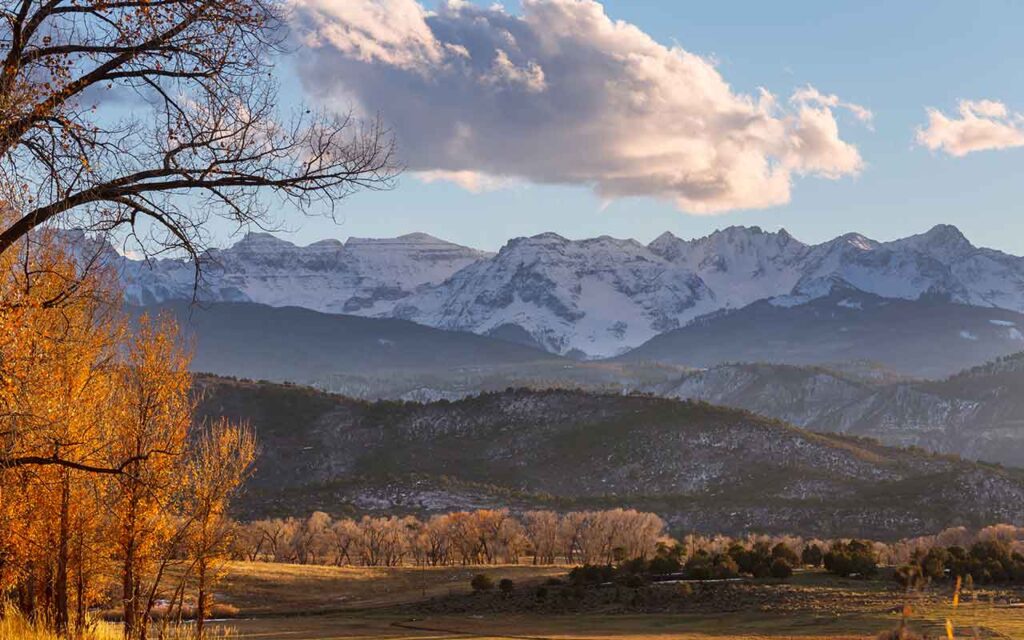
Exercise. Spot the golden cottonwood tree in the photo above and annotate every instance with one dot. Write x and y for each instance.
(101, 479)
(147, 433)
(220, 460)
(95, 423)
(57, 343)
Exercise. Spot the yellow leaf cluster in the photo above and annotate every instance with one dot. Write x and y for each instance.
(104, 482)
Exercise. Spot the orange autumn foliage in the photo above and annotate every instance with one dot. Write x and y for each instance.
(103, 484)
(95, 419)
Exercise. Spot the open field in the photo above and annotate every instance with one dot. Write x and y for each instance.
(319, 603)
(269, 589)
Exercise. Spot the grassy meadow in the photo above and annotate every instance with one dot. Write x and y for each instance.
(296, 602)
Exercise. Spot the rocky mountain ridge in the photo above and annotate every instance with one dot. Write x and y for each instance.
(362, 276)
(597, 297)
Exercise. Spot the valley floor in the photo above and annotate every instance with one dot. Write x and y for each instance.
(321, 603)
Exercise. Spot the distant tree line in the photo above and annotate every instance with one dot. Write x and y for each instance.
(486, 536)
(630, 541)
(996, 558)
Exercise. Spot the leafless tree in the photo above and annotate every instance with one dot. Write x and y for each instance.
(484, 536)
(542, 530)
(156, 116)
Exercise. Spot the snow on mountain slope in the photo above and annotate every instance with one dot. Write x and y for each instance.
(989, 278)
(597, 297)
(940, 262)
(362, 276)
(593, 296)
(740, 265)
(890, 270)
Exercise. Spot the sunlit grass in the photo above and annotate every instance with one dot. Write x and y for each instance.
(15, 626)
(267, 588)
(358, 602)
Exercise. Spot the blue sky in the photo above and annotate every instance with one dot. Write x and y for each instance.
(893, 58)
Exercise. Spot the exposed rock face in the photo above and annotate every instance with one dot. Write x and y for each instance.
(594, 297)
(604, 296)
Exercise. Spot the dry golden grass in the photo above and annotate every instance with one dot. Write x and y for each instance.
(1002, 621)
(14, 626)
(744, 626)
(531, 627)
(263, 588)
(295, 602)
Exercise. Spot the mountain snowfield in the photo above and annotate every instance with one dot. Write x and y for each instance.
(363, 276)
(597, 297)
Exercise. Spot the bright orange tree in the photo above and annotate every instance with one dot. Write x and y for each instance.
(101, 480)
(94, 424)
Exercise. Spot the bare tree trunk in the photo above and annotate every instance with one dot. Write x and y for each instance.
(128, 596)
(80, 586)
(142, 622)
(60, 587)
(201, 600)
(128, 582)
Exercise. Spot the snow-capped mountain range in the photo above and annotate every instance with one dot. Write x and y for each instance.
(362, 276)
(598, 297)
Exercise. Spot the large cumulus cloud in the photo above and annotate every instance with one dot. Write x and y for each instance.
(561, 93)
(979, 125)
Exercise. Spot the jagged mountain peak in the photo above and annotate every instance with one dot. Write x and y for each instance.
(664, 238)
(264, 242)
(417, 238)
(261, 240)
(724, 241)
(855, 241)
(668, 245)
(940, 238)
(599, 296)
(546, 239)
(737, 231)
(742, 237)
(945, 231)
(362, 276)
(548, 246)
(609, 241)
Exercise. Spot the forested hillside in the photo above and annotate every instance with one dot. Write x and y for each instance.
(699, 466)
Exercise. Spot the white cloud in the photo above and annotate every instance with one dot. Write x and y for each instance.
(982, 125)
(810, 95)
(563, 94)
(505, 72)
(388, 32)
(472, 181)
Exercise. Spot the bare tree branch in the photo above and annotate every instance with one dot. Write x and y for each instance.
(206, 138)
(56, 460)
